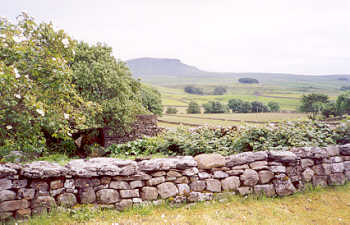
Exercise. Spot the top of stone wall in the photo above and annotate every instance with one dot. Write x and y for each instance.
(116, 167)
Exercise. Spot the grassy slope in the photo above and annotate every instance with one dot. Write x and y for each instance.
(320, 206)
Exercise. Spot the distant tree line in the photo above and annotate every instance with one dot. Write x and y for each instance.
(247, 80)
(199, 91)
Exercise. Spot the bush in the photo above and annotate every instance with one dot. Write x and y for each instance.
(343, 104)
(171, 110)
(259, 107)
(193, 108)
(239, 106)
(219, 91)
(329, 110)
(193, 90)
(151, 100)
(274, 106)
(313, 103)
(248, 81)
(215, 107)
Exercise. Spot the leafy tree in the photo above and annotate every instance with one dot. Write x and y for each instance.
(193, 90)
(219, 91)
(259, 107)
(151, 100)
(171, 110)
(235, 105)
(313, 103)
(215, 107)
(248, 80)
(329, 109)
(37, 100)
(100, 78)
(343, 104)
(193, 108)
(274, 106)
(246, 107)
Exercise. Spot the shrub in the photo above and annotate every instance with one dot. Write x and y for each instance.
(219, 91)
(248, 80)
(274, 106)
(343, 104)
(239, 106)
(193, 108)
(193, 90)
(259, 107)
(151, 100)
(313, 103)
(215, 107)
(171, 110)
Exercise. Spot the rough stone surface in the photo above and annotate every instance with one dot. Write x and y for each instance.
(249, 177)
(167, 190)
(155, 181)
(204, 175)
(336, 179)
(265, 176)
(220, 174)
(56, 184)
(123, 204)
(184, 189)
(264, 189)
(244, 158)
(190, 171)
(26, 193)
(199, 197)
(5, 184)
(23, 213)
(258, 165)
(345, 149)
(13, 205)
(213, 185)
(282, 156)
(7, 195)
(43, 169)
(208, 161)
(107, 196)
(308, 174)
(198, 185)
(306, 163)
(284, 186)
(319, 181)
(136, 184)
(43, 201)
(87, 196)
(337, 167)
(278, 169)
(119, 185)
(245, 190)
(149, 193)
(230, 183)
(129, 193)
(67, 200)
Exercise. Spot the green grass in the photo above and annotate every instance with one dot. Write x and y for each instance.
(314, 206)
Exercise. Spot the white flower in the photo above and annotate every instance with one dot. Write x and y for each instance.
(65, 42)
(53, 58)
(9, 127)
(41, 112)
(69, 134)
(18, 96)
(66, 116)
(73, 52)
(17, 74)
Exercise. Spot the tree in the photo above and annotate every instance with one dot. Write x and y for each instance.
(193, 90)
(219, 91)
(313, 103)
(151, 100)
(37, 100)
(330, 109)
(215, 107)
(343, 104)
(246, 107)
(259, 107)
(235, 105)
(248, 80)
(98, 77)
(274, 106)
(193, 108)
(171, 110)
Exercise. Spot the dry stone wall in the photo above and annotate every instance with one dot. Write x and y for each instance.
(36, 187)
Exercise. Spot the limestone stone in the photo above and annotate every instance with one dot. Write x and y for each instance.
(170, 178)
(158, 174)
(7, 195)
(234, 172)
(310, 152)
(43, 169)
(173, 173)
(264, 189)
(245, 190)
(336, 179)
(67, 200)
(347, 165)
(100, 187)
(184, 189)
(87, 195)
(337, 167)
(43, 201)
(258, 165)
(155, 181)
(190, 171)
(347, 175)
(19, 183)
(107, 196)
(203, 175)
(208, 161)
(69, 183)
(265, 176)
(230, 183)
(137, 201)
(213, 185)
(182, 180)
(26, 193)
(128, 170)
(5, 184)
(149, 193)
(306, 163)
(220, 174)
(245, 157)
(240, 167)
(123, 204)
(333, 150)
(319, 181)
(249, 177)
(136, 184)
(167, 190)
(198, 185)
(278, 169)
(322, 169)
(282, 156)
(199, 197)
(179, 162)
(308, 174)
(56, 184)
(23, 213)
(105, 180)
(122, 185)
(55, 192)
(345, 149)
(284, 186)
(129, 193)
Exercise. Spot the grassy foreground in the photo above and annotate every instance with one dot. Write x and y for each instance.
(317, 206)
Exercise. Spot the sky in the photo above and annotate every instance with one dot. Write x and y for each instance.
(283, 36)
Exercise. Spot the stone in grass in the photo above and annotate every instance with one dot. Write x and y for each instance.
(43, 201)
(67, 200)
(87, 196)
(149, 193)
(129, 193)
(198, 185)
(264, 189)
(123, 204)
(14, 205)
(107, 196)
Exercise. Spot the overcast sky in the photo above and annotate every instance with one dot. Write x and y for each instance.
(290, 36)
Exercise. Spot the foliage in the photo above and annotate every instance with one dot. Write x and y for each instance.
(259, 107)
(171, 110)
(239, 106)
(342, 132)
(100, 78)
(38, 102)
(193, 108)
(311, 103)
(248, 80)
(219, 91)
(329, 110)
(151, 100)
(193, 90)
(215, 107)
(274, 106)
(343, 104)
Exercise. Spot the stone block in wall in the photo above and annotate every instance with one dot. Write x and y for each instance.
(182, 180)
(204, 175)
(43, 201)
(119, 185)
(23, 213)
(55, 192)
(245, 190)
(249, 177)
(308, 174)
(7, 170)
(107, 196)
(5, 184)
(283, 185)
(220, 174)
(167, 190)
(234, 172)
(230, 183)
(240, 167)
(129, 193)
(208, 161)
(123, 204)
(347, 175)
(69, 184)
(265, 189)
(337, 167)
(26, 193)
(190, 171)
(83, 183)
(173, 173)
(310, 152)
(136, 184)
(265, 176)
(294, 172)
(100, 187)
(319, 181)
(306, 163)
(278, 169)
(332, 150)
(7, 195)
(199, 185)
(345, 149)
(347, 165)
(258, 165)
(199, 197)
(19, 183)
(213, 185)
(158, 174)
(149, 193)
(184, 189)
(155, 181)
(56, 184)
(244, 158)
(43, 169)
(67, 200)
(106, 180)
(336, 179)
(87, 195)
(282, 156)
(322, 169)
